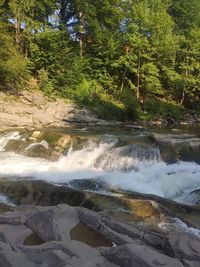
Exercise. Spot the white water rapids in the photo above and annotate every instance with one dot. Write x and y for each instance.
(130, 167)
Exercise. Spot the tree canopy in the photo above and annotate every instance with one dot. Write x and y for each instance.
(117, 57)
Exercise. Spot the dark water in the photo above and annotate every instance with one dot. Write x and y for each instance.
(89, 236)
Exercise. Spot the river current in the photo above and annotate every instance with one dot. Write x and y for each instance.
(116, 162)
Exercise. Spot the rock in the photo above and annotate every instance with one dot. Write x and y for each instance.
(147, 209)
(36, 135)
(41, 151)
(178, 147)
(80, 116)
(26, 148)
(188, 263)
(185, 246)
(194, 197)
(33, 109)
(84, 184)
(139, 255)
(64, 141)
(40, 193)
(165, 208)
(16, 146)
(134, 245)
(13, 120)
(133, 127)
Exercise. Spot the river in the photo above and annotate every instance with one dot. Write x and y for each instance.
(149, 161)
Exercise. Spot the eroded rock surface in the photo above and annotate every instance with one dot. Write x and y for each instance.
(132, 245)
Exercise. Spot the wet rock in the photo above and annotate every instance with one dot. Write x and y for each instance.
(194, 197)
(41, 151)
(144, 209)
(40, 193)
(27, 148)
(84, 184)
(140, 208)
(178, 147)
(165, 208)
(16, 146)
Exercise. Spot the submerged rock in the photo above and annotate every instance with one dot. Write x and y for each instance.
(194, 197)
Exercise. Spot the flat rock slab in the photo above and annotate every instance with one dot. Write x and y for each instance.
(132, 245)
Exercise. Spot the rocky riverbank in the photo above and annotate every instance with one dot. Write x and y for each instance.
(53, 236)
(34, 110)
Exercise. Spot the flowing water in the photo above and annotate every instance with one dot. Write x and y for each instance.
(119, 160)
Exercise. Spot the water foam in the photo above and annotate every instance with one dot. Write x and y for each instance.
(5, 200)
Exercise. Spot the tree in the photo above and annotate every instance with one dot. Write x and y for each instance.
(13, 66)
(188, 65)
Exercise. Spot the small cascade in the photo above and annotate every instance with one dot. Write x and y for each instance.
(87, 156)
(4, 139)
(128, 157)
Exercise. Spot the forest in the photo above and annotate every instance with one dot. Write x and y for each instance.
(123, 59)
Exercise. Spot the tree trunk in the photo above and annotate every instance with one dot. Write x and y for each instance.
(17, 32)
(81, 29)
(186, 75)
(138, 78)
(183, 97)
(138, 87)
(123, 80)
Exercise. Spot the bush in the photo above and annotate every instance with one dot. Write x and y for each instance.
(44, 83)
(93, 95)
(158, 109)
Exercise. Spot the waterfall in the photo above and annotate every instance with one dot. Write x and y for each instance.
(132, 167)
(127, 158)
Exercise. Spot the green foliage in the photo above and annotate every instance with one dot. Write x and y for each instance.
(122, 59)
(93, 95)
(14, 70)
(157, 109)
(44, 83)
